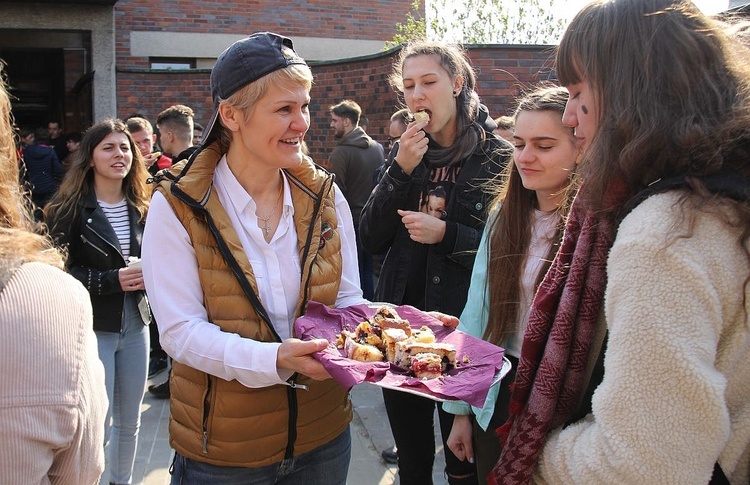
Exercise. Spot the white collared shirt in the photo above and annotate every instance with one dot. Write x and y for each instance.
(170, 271)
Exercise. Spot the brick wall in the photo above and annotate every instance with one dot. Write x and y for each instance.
(150, 92)
(344, 19)
(503, 71)
(340, 19)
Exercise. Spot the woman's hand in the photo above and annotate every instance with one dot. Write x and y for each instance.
(423, 228)
(447, 320)
(412, 147)
(459, 440)
(131, 279)
(295, 355)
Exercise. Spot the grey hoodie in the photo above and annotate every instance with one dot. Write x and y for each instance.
(354, 162)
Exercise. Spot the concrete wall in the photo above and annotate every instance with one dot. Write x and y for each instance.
(321, 29)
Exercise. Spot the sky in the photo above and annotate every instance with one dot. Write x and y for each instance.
(568, 8)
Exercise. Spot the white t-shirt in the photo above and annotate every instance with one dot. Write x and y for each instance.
(543, 228)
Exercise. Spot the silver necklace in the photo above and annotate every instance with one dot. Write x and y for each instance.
(266, 226)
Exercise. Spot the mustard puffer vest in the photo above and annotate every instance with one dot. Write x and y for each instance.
(225, 423)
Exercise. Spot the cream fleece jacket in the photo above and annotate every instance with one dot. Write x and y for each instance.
(676, 390)
(52, 396)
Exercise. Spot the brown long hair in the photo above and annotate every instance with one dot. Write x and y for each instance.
(510, 230)
(19, 238)
(673, 91)
(469, 134)
(672, 88)
(78, 179)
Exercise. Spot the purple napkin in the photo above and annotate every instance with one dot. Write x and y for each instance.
(468, 382)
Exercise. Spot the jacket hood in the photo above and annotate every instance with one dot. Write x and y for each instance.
(357, 138)
(485, 120)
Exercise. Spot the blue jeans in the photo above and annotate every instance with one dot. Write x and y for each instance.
(325, 465)
(125, 359)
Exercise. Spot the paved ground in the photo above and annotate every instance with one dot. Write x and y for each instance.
(370, 435)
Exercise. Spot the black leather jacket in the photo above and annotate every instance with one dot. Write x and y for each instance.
(94, 259)
(449, 263)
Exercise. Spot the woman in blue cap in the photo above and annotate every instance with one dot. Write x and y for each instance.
(255, 230)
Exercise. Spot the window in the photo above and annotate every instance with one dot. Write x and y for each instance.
(172, 63)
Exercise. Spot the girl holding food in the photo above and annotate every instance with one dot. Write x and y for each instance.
(98, 216)
(430, 255)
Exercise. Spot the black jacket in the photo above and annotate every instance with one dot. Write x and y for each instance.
(94, 259)
(449, 263)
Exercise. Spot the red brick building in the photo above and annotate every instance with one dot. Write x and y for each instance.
(79, 61)
(503, 71)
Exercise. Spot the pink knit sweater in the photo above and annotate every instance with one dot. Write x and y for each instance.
(52, 396)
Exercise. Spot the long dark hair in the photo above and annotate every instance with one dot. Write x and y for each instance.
(510, 230)
(672, 89)
(78, 178)
(469, 133)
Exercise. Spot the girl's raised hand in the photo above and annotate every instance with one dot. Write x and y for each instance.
(412, 146)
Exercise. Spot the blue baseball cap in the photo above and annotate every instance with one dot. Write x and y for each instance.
(242, 63)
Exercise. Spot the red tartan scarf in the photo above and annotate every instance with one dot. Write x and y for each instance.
(550, 378)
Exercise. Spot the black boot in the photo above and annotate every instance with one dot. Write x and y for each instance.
(160, 391)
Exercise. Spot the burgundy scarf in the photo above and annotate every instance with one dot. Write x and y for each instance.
(556, 346)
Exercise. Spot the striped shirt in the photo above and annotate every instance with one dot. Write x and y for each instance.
(117, 215)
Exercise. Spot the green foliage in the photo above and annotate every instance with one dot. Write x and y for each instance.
(414, 27)
(482, 22)
(495, 21)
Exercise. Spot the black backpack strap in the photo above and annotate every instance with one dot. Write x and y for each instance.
(723, 184)
(718, 477)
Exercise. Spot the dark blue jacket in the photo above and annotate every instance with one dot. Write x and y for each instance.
(43, 170)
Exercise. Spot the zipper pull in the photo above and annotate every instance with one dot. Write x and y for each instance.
(205, 442)
(294, 385)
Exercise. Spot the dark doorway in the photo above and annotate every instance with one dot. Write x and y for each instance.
(49, 75)
(36, 83)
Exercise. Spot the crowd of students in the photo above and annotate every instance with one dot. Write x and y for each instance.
(603, 242)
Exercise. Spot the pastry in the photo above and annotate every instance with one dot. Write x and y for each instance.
(406, 349)
(426, 365)
(424, 335)
(421, 116)
(362, 352)
(390, 337)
